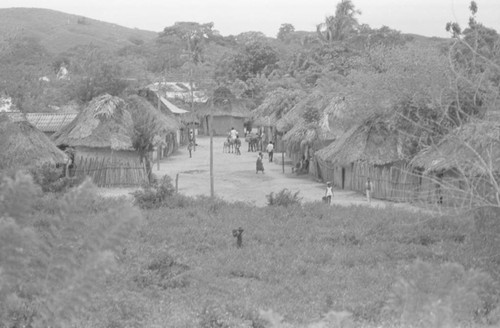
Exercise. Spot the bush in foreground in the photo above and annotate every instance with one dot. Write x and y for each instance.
(56, 253)
(283, 198)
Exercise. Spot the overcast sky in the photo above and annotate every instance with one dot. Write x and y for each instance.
(424, 17)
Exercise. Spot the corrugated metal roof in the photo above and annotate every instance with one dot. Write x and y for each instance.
(50, 122)
(174, 109)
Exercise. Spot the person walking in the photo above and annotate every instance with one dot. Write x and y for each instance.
(190, 148)
(329, 193)
(270, 151)
(369, 188)
(259, 164)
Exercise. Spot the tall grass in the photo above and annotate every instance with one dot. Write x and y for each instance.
(303, 263)
(309, 265)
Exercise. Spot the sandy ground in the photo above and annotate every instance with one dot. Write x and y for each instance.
(235, 178)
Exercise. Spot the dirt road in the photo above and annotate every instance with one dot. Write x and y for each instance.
(235, 178)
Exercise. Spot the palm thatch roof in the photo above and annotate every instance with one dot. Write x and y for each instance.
(163, 124)
(301, 130)
(373, 141)
(22, 145)
(104, 123)
(276, 105)
(473, 148)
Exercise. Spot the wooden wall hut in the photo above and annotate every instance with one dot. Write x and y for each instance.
(232, 114)
(101, 136)
(24, 146)
(463, 168)
(369, 150)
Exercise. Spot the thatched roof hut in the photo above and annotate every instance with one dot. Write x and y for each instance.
(373, 141)
(226, 115)
(22, 145)
(321, 128)
(472, 149)
(277, 104)
(140, 107)
(104, 123)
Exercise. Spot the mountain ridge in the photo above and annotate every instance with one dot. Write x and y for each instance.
(59, 31)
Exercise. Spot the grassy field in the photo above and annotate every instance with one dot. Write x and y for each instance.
(75, 259)
(386, 266)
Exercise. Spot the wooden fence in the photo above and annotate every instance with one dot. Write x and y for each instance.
(399, 182)
(111, 172)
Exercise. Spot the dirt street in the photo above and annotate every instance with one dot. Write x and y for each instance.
(235, 178)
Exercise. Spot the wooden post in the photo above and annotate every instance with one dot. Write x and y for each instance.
(283, 160)
(177, 183)
(212, 192)
(158, 155)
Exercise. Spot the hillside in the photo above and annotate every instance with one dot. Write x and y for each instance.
(59, 31)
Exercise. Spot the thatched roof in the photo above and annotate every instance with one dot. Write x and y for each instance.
(373, 142)
(276, 105)
(22, 145)
(104, 123)
(140, 106)
(299, 131)
(473, 148)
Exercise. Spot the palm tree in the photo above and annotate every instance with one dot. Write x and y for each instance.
(340, 26)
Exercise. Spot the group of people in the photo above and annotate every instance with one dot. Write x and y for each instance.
(234, 140)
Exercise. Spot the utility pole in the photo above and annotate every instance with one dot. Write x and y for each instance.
(212, 192)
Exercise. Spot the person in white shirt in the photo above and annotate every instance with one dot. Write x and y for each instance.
(270, 150)
(329, 193)
(233, 133)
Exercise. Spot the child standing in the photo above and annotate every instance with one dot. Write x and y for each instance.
(259, 164)
(368, 187)
(190, 148)
(329, 192)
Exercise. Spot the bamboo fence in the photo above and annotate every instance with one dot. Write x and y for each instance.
(111, 172)
(400, 182)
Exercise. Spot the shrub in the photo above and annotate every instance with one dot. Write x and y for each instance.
(58, 257)
(439, 295)
(283, 198)
(18, 194)
(154, 194)
(52, 178)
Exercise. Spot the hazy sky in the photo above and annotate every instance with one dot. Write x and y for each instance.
(425, 17)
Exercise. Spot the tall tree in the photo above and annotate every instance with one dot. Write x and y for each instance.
(284, 32)
(340, 26)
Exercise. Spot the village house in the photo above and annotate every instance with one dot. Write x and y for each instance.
(23, 146)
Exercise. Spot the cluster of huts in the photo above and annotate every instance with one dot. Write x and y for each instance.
(98, 139)
(461, 170)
